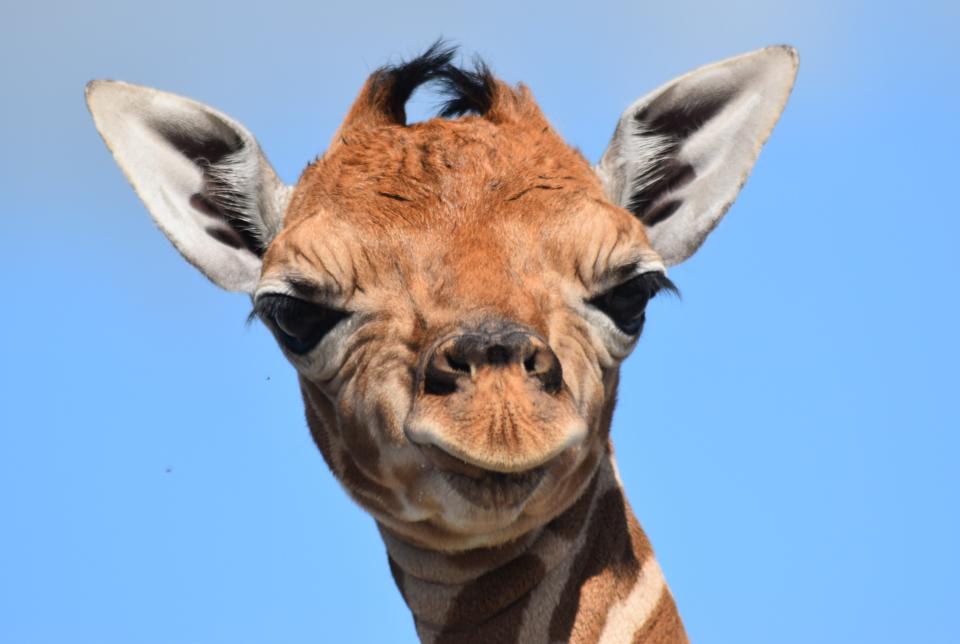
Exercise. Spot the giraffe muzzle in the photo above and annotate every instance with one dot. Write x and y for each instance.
(494, 400)
(463, 358)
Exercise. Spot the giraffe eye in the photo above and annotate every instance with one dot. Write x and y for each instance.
(298, 324)
(626, 302)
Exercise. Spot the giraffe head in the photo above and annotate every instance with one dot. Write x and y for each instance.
(456, 295)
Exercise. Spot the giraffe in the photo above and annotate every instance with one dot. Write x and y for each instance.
(456, 297)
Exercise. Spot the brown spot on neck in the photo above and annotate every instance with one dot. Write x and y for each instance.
(611, 558)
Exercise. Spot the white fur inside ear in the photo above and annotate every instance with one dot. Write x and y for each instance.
(680, 155)
(201, 175)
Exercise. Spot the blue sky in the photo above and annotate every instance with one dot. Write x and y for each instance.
(787, 432)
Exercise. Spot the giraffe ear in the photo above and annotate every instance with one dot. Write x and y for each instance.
(680, 155)
(201, 175)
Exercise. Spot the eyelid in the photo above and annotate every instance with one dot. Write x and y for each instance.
(300, 289)
(267, 303)
(614, 277)
(263, 305)
(625, 303)
(300, 325)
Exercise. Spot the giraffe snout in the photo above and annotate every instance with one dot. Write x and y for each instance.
(494, 398)
(464, 358)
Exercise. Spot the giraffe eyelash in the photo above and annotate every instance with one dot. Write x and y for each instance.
(299, 324)
(625, 304)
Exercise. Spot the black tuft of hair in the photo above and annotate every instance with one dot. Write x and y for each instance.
(467, 90)
(400, 81)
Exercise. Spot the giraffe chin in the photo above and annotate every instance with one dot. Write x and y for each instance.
(482, 487)
(474, 508)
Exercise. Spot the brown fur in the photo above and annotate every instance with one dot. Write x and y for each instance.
(423, 231)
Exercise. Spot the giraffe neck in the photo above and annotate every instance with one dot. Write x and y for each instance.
(587, 576)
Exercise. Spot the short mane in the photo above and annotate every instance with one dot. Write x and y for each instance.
(467, 90)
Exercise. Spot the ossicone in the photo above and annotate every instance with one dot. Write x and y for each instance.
(466, 90)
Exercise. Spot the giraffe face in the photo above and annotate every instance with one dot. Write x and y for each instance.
(456, 297)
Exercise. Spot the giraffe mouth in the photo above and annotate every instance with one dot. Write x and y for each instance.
(485, 488)
(499, 423)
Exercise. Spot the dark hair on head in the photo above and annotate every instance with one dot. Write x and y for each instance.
(467, 90)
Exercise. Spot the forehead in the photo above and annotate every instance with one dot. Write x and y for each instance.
(452, 193)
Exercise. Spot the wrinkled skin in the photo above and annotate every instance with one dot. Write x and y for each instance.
(428, 232)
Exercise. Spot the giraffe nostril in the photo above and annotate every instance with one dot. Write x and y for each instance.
(456, 364)
(439, 382)
(442, 373)
(458, 360)
(551, 375)
(530, 364)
